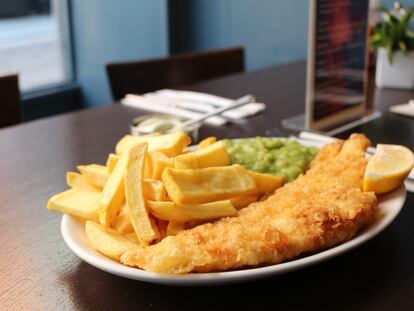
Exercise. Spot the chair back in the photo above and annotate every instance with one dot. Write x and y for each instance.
(149, 75)
(9, 100)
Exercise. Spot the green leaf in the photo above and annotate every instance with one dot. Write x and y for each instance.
(405, 19)
(403, 47)
(390, 54)
(376, 40)
(392, 33)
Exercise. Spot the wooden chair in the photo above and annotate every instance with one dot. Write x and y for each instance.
(9, 100)
(146, 76)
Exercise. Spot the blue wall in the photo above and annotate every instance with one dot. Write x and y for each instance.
(272, 31)
(389, 3)
(114, 30)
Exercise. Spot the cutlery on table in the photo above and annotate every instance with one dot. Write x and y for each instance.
(237, 103)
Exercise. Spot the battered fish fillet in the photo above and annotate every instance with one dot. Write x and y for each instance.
(322, 208)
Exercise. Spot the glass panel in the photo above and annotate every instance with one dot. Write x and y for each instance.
(33, 42)
(340, 63)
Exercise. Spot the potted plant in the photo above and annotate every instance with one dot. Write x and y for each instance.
(394, 43)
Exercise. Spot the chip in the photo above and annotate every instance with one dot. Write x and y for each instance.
(184, 213)
(113, 194)
(194, 186)
(157, 162)
(122, 222)
(144, 228)
(209, 156)
(76, 202)
(76, 180)
(154, 190)
(128, 141)
(107, 241)
(96, 174)
(243, 201)
(207, 142)
(175, 228)
(266, 183)
(111, 162)
(170, 144)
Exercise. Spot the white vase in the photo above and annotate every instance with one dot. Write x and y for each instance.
(399, 74)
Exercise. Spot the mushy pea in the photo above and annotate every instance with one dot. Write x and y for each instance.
(281, 157)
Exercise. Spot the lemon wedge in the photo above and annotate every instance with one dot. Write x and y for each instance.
(388, 168)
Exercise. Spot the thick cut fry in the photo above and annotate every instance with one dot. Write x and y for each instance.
(147, 166)
(76, 180)
(96, 174)
(184, 213)
(128, 141)
(154, 190)
(170, 144)
(157, 163)
(113, 193)
(207, 142)
(265, 183)
(107, 241)
(132, 237)
(174, 227)
(213, 155)
(82, 203)
(111, 162)
(185, 186)
(145, 229)
(243, 201)
(122, 222)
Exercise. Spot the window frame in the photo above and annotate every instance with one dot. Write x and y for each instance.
(62, 9)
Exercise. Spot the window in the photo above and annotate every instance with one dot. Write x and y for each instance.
(34, 42)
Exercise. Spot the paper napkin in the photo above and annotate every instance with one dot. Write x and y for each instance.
(404, 109)
(189, 104)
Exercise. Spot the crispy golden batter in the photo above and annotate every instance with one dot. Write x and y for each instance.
(323, 208)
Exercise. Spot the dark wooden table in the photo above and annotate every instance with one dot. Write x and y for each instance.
(38, 271)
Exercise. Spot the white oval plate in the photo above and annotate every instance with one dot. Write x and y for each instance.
(74, 235)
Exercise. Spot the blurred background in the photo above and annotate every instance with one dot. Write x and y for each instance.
(59, 48)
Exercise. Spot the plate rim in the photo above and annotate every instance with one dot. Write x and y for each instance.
(226, 277)
(236, 276)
